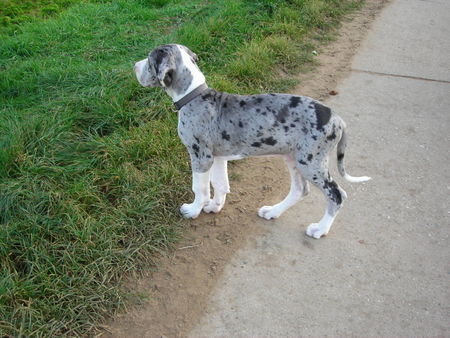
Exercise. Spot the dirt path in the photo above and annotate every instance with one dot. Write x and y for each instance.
(179, 291)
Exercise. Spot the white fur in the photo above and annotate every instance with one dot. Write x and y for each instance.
(219, 181)
(200, 187)
(320, 229)
(354, 179)
(230, 158)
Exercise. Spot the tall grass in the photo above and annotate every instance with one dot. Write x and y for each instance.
(91, 169)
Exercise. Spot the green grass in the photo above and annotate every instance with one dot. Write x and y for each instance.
(91, 169)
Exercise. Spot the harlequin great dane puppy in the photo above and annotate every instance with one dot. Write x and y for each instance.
(217, 127)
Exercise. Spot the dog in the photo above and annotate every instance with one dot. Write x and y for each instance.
(217, 127)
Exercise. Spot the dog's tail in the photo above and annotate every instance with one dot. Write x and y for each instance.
(340, 160)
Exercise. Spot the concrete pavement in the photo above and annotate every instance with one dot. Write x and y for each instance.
(384, 269)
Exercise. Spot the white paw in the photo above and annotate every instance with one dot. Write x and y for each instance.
(269, 212)
(316, 231)
(213, 207)
(191, 210)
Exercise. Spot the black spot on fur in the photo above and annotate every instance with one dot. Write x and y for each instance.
(259, 134)
(208, 156)
(196, 149)
(323, 115)
(256, 144)
(224, 105)
(332, 136)
(333, 191)
(206, 96)
(295, 100)
(197, 139)
(282, 114)
(259, 99)
(292, 125)
(302, 162)
(286, 128)
(225, 136)
(269, 141)
(242, 103)
(310, 156)
(240, 124)
(161, 53)
(340, 157)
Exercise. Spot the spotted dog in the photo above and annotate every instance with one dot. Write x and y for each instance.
(217, 127)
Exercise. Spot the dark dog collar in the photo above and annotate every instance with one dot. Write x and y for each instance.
(189, 97)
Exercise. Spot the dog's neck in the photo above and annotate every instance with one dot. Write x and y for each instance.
(191, 79)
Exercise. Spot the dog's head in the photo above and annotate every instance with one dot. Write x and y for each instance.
(173, 67)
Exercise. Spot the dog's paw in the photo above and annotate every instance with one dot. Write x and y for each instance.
(213, 207)
(316, 231)
(269, 212)
(191, 210)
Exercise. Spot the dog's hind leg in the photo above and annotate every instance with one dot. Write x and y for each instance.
(317, 173)
(299, 188)
(219, 181)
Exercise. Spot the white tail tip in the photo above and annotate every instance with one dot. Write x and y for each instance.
(356, 179)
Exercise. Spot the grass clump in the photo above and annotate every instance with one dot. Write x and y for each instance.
(91, 169)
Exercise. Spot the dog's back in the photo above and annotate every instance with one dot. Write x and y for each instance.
(260, 124)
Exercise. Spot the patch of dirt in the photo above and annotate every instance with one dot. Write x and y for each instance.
(177, 293)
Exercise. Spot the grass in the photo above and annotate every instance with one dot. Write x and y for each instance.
(91, 169)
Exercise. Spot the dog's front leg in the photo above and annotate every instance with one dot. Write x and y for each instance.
(219, 181)
(200, 187)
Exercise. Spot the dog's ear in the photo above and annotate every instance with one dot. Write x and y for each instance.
(193, 56)
(167, 77)
(164, 63)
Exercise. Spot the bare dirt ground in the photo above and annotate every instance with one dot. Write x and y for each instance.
(177, 293)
